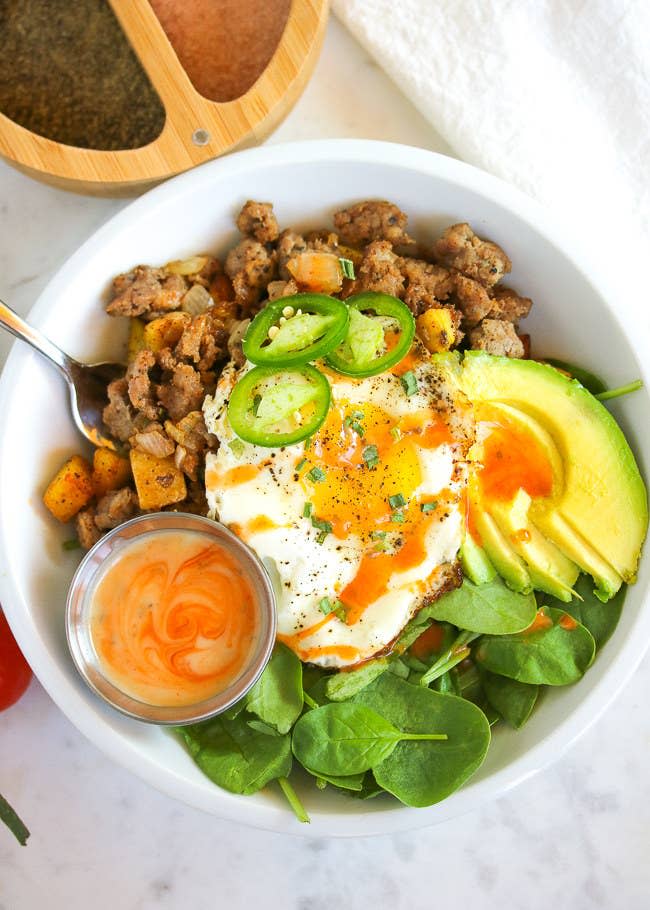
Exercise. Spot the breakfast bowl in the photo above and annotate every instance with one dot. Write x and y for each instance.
(573, 319)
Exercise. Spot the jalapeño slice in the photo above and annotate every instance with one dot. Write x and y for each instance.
(380, 334)
(319, 328)
(277, 407)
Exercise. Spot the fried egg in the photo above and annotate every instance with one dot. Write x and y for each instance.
(358, 526)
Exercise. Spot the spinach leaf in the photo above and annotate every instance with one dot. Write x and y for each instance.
(13, 822)
(600, 618)
(235, 756)
(591, 382)
(555, 651)
(491, 608)
(423, 773)
(342, 686)
(276, 697)
(513, 700)
(369, 789)
(342, 739)
(348, 782)
(294, 801)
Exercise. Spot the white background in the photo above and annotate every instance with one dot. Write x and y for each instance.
(576, 836)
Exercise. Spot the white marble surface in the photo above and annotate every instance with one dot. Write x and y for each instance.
(576, 836)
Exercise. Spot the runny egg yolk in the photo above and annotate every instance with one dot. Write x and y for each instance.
(355, 493)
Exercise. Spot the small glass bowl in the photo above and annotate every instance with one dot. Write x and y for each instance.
(77, 618)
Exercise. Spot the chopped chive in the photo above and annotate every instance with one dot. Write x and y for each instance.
(347, 422)
(397, 517)
(316, 475)
(257, 400)
(377, 535)
(409, 383)
(321, 537)
(347, 267)
(321, 524)
(358, 415)
(72, 544)
(381, 546)
(301, 464)
(396, 501)
(325, 605)
(236, 446)
(306, 510)
(428, 506)
(356, 426)
(371, 456)
(396, 433)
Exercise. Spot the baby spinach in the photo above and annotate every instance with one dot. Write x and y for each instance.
(555, 652)
(342, 685)
(513, 700)
(276, 697)
(600, 618)
(423, 773)
(352, 782)
(342, 739)
(590, 381)
(491, 608)
(235, 756)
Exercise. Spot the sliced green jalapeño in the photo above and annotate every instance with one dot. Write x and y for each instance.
(319, 327)
(274, 407)
(380, 334)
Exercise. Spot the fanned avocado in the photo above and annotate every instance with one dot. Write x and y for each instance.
(548, 567)
(599, 515)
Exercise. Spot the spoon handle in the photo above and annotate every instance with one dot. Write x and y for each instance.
(18, 327)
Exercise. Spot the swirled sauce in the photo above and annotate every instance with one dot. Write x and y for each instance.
(173, 619)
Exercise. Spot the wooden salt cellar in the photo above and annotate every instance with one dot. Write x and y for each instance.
(196, 129)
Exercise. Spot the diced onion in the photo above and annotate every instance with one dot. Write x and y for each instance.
(196, 301)
(191, 266)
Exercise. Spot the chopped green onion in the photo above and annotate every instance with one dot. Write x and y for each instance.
(371, 456)
(396, 433)
(397, 517)
(321, 524)
(358, 415)
(257, 400)
(409, 383)
(428, 506)
(325, 605)
(381, 546)
(236, 446)
(347, 267)
(316, 475)
(396, 501)
(356, 426)
(72, 544)
(301, 464)
(321, 537)
(306, 510)
(377, 535)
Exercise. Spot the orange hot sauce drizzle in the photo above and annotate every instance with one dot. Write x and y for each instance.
(174, 620)
(512, 460)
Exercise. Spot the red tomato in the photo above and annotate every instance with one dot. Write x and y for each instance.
(15, 672)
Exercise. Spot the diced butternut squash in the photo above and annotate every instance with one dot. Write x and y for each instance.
(110, 471)
(71, 489)
(165, 331)
(316, 271)
(436, 329)
(157, 480)
(136, 339)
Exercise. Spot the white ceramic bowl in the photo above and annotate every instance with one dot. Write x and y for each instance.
(572, 319)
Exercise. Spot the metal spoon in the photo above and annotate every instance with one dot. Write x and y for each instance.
(87, 381)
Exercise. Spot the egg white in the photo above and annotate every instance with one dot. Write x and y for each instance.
(304, 571)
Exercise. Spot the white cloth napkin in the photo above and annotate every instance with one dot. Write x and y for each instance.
(552, 95)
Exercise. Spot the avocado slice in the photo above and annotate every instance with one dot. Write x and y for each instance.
(603, 494)
(508, 564)
(475, 562)
(550, 570)
(576, 547)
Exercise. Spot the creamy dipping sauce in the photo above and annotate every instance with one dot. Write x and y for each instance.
(174, 619)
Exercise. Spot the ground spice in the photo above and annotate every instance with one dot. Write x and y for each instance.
(223, 45)
(67, 72)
